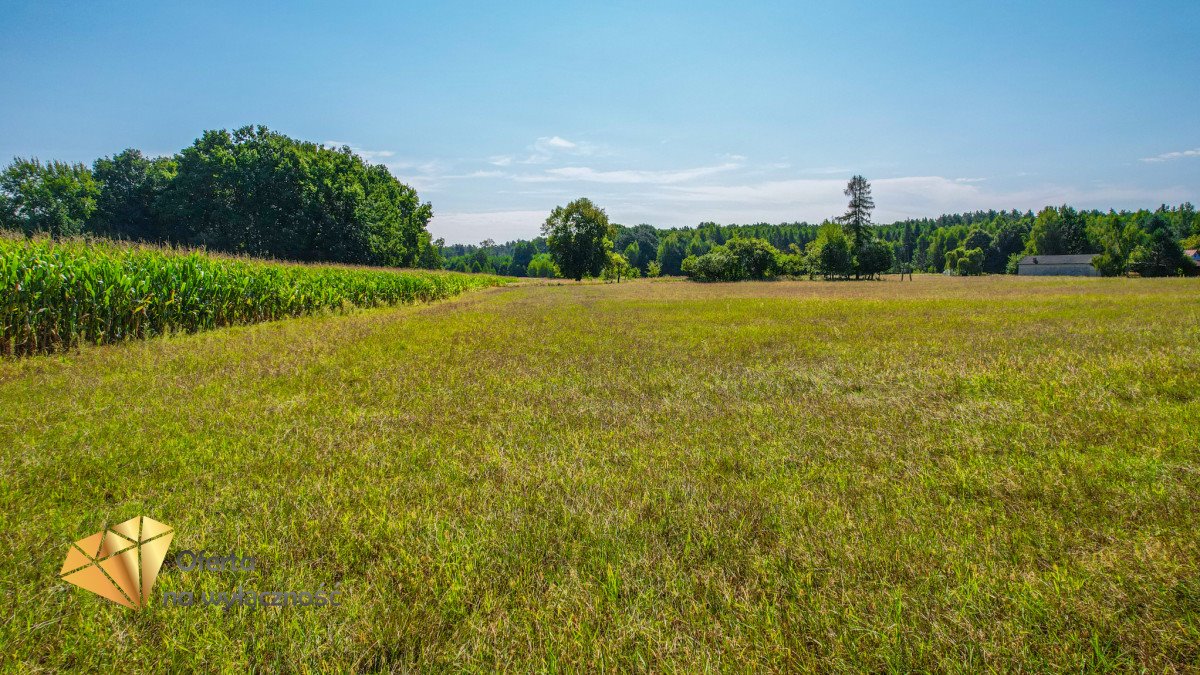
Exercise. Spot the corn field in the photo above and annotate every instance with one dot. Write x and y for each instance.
(57, 295)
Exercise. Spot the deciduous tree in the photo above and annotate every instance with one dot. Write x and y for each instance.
(54, 198)
(579, 238)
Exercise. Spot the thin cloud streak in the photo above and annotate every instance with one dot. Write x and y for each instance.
(470, 228)
(368, 155)
(1168, 156)
(545, 149)
(625, 176)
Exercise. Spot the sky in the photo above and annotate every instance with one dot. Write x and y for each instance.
(668, 113)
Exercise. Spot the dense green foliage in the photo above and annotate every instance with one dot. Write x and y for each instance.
(618, 268)
(543, 266)
(639, 245)
(512, 259)
(736, 260)
(58, 295)
(579, 238)
(831, 254)
(54, 197)
(921, 244)
(131, 187)
(250, 191)
(836, 253)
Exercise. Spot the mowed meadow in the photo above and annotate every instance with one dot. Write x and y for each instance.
(959, 474)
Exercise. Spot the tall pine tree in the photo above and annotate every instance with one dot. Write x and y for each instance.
(857, 220)
(858, 215)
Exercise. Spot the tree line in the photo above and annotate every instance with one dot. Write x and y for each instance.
(256, 192)
(1143, 242)
(249, 191)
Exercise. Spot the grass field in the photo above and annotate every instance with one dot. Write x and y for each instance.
(962, 474)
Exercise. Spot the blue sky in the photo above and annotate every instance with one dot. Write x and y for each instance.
(670, 113)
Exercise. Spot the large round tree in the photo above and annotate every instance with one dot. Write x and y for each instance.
(579, 238)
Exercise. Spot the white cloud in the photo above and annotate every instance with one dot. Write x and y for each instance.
(557, 142)
(547, 148)
(1168, 156)
(423, 176)
(427, 168)
(770, 192)
(461, 227)
(477, 174)
(626, 176)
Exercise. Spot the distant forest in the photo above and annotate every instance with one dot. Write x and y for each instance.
(260, 193)
(986, 241)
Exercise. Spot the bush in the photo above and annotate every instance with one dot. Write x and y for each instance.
(970, 262)
(1161, 255)
(793, 264)
(737, 260)
(716, 265)
(874, 258)
(618, 268)
(756, 257)
(542, 266)
(829, 255)
(1014, 263)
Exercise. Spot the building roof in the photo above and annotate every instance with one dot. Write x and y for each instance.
(1191, 252)
(1084, 259)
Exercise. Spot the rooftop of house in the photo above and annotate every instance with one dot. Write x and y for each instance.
(1083, 259)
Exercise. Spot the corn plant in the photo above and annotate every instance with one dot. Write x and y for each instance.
(57, 295)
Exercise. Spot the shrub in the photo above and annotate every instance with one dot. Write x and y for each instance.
(829, 255)
(756, 257)
(793, 264)
(1161, 255)
(618, 268)
(716, 265)
(542, 266)
(736, 260)
(965, 262)
(874, 258)
(1014, 263)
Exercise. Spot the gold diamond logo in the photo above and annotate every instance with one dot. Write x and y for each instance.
(120, 563)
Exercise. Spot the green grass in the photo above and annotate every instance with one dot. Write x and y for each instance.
(970, 475)
(56, 295)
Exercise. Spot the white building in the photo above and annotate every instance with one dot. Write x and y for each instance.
(1058, 265)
